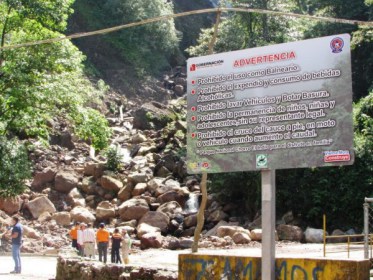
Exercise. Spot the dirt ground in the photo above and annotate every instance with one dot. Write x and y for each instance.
(44, 268)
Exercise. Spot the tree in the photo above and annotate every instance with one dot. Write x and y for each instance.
(147, 48)
(15, 167)
(43, 82)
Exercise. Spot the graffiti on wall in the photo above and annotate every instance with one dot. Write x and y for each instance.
(204, 267)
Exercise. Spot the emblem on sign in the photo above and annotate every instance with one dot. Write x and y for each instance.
(337, 45)
(261, 161)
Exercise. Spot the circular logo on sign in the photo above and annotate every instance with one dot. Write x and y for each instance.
(261, 161)
(337, 45)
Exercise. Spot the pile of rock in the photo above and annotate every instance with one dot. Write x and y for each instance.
(151, 195)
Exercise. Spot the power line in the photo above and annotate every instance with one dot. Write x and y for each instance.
(195, 12)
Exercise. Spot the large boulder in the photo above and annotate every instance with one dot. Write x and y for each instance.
(151, 240)
(214, 230)
(190, 221)
(217, 216)
(10, 205)
(152, 115)
(139, 177)
(65, 181)
(139, 189)
(340, 239)
(172, 195)
(241, 238)
(289, 232)
(88, 185)
(105, 210)
(94, 169)
(156, 219)
(81, 214)
(313, 235)
(143, 229)
(62, 218)
(110, 183)
(231, 231)
(31, 233)
(171, 209)
(63, 139)
(40, 205)
(125, 193)
(256, 234)
(155, 183)
(133, 209)
(43, 177)
(75, 198)
(169, 185)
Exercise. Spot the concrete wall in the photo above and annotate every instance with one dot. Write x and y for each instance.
(72, 267)
(210, 267)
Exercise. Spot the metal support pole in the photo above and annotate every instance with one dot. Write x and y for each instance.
(268, 224)
(324, 234)
(366, 230)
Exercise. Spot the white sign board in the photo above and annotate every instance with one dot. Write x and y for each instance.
(274, 107)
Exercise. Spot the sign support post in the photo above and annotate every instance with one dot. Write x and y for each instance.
(268, 224)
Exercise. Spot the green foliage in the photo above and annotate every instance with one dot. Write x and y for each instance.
(15, 167)
(93, 127)
(113, 158)
(241, 188)
(42, 82)
(336, 191)
(148, 47)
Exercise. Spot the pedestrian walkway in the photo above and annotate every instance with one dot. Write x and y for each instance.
(33, 268)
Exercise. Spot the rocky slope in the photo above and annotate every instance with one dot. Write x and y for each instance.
(151, 194)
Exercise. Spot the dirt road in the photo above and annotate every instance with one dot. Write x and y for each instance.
(33, 268)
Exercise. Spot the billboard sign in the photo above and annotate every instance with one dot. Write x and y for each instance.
(274, 107)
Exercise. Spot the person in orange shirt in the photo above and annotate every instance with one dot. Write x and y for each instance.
(74, 235)
(102, 236)
(116, 239)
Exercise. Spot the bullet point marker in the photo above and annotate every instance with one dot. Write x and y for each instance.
(193, 91)
(193, 82)
(193, 135)
(193, 108)
(193, 118)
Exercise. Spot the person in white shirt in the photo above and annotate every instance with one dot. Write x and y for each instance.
(89, 240)
(80, 241)
(126, 246)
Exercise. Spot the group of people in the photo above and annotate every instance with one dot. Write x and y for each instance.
(84, 239)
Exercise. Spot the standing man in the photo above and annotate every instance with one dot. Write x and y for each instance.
(80, 240)
(16, 244)
(74, 235)
(102, 236)
(89, 239)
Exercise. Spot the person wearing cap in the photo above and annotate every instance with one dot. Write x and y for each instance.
(126, 246)
(102, 236)
(116, 239)
(79, 239)
(74, 235)
(89, 241)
